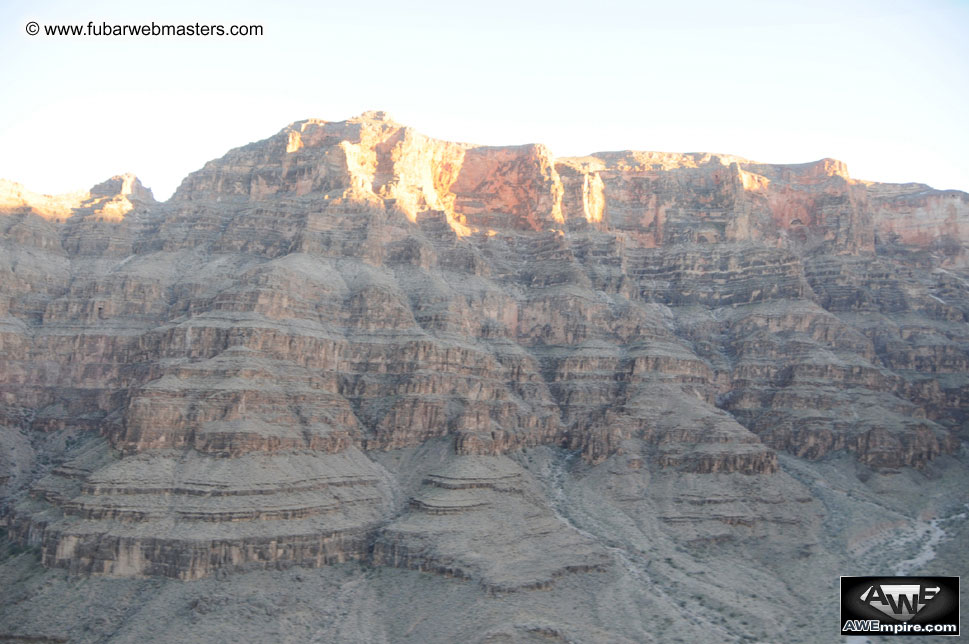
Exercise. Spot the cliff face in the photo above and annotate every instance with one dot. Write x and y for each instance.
(340, 342)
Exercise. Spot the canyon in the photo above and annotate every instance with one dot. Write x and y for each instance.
(353, 383)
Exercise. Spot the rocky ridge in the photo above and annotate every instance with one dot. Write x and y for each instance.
(344, 341)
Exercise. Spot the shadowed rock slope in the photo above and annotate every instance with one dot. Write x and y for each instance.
(352, 343)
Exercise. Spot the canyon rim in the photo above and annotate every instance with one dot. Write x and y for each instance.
(354, 384)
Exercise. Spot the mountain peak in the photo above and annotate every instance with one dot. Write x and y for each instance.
(374, 115)
(123, 185)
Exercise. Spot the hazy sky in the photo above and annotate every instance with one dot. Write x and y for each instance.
(881, 85)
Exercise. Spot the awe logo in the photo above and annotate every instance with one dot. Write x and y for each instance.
(901, 601)
(899, 606)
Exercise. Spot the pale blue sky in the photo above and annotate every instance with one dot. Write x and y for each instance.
(882, 85)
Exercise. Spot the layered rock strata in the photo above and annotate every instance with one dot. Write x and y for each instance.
(214, 381)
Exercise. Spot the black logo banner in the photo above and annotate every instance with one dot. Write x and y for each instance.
(900, 606)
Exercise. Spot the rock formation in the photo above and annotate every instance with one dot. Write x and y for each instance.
(350, 341)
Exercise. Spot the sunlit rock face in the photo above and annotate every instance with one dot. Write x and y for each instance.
(341, 342)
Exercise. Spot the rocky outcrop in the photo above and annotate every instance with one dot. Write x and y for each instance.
(246, 353)
(185, 514)
(483, 518)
